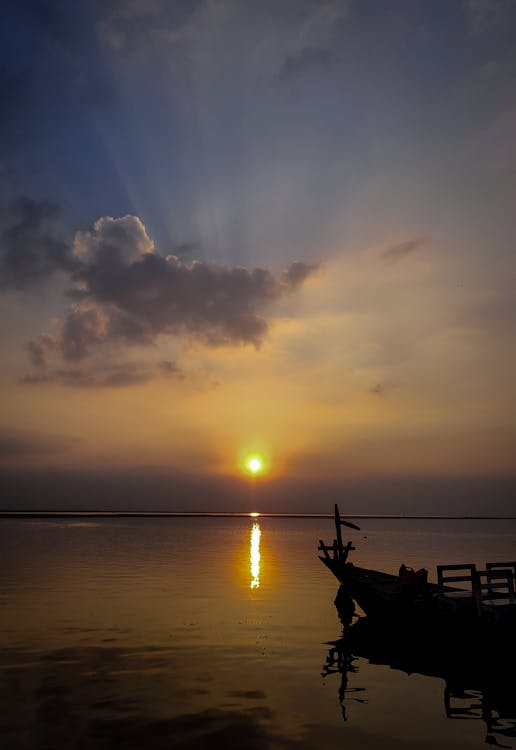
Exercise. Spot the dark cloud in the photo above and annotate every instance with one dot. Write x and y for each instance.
(82, 329)
(218, 305)
(295, 275)
(33, 245)
(397, 252)
(124, 292)
(16, 444)
(306, 59)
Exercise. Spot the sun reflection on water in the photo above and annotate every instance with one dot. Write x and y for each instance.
(254, 554)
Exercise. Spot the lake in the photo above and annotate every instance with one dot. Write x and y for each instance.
(216, 632)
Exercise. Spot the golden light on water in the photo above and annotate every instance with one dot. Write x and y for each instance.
(254, 554)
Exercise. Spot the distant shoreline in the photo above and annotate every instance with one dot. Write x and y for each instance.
(49, 514)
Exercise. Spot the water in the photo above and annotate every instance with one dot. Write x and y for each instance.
(196, 633)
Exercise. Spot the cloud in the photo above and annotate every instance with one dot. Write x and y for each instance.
(398, 252)
(39, 348)
(295, 275)
(88, 379)
(82, 328)
(124, 292)
(18, 444)
(113, 242)
(33, 246)
(310, 36)
(171, 369)
(97, 375)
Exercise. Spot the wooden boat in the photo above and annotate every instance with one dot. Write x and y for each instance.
(435, 606)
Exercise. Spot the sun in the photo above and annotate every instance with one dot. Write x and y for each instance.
(254, 464)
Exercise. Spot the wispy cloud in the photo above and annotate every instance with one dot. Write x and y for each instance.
(396, 253)
(98, 375)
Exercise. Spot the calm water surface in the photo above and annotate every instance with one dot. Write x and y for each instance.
(199, 633)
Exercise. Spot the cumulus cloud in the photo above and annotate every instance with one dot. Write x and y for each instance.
(125, 293)
(33, 245)
(113, 242)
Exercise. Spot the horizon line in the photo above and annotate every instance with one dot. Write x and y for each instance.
(5, 514)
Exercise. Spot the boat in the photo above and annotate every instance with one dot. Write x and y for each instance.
(484, 604)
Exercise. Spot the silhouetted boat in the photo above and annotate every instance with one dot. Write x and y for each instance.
(488, 603)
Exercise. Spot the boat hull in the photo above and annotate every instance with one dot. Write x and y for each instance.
(383, 598)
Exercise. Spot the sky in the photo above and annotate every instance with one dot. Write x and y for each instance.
(282, 228)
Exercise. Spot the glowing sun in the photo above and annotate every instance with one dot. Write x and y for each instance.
(254, 464)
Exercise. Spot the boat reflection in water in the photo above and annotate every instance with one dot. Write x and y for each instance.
(254, 555)
(478, 677)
